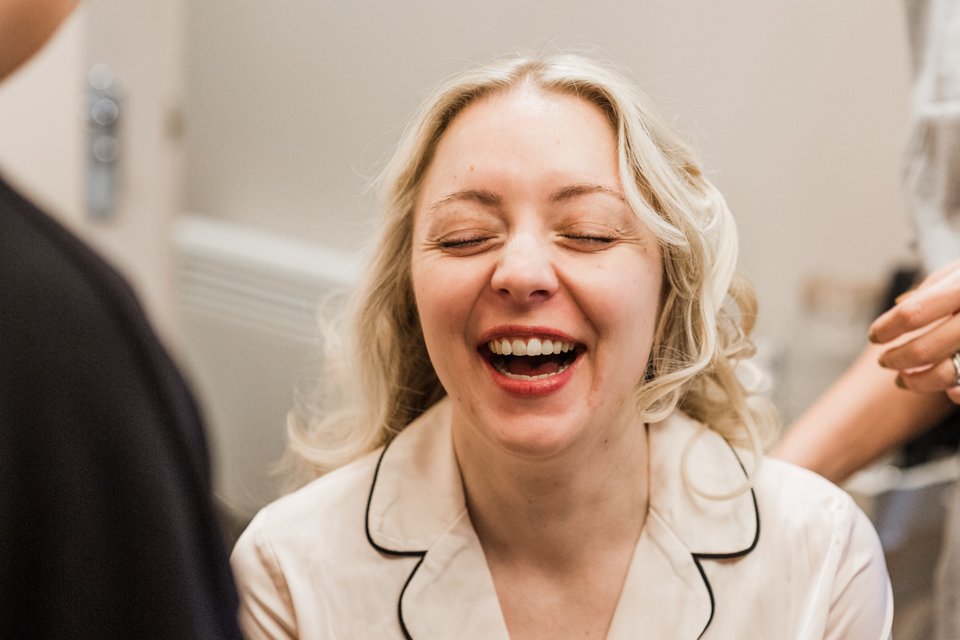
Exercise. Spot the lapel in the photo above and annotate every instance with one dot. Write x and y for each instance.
(416, 507)
(667, 593)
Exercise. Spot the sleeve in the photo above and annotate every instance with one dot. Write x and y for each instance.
(861, 606)
(266, 607)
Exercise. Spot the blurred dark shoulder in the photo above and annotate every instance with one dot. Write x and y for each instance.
(107, 523)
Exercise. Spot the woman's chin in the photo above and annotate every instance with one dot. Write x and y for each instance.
(545, 421)
(536, 437)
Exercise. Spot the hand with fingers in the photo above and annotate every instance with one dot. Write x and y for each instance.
(923, 331)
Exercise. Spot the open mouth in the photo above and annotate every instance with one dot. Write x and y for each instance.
(530, 358)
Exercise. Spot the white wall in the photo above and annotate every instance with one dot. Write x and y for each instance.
(799, 108)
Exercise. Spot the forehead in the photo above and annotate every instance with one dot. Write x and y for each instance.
(526, 132)
(530, 103)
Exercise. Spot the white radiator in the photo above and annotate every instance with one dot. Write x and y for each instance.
(248, 306)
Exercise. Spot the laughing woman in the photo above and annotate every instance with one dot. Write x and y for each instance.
(545, 435)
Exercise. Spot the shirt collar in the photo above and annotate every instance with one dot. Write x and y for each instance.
(416, 507)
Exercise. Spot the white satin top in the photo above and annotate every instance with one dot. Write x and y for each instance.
(383, 548)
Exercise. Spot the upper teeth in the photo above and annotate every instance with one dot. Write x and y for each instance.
(529, 346)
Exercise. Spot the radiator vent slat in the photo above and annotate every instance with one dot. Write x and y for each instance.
(248, 304)
(255, 280)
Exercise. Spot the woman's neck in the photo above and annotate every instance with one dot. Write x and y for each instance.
(558, 511)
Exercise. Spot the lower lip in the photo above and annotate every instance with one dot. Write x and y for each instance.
(539, 387)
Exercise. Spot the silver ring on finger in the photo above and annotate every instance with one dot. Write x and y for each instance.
(956, 369)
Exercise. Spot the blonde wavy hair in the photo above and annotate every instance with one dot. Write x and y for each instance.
(378, 375)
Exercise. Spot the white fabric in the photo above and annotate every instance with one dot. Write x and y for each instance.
(800, 562)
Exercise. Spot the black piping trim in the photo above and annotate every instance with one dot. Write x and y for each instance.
(366, 517)
(756, 518)
(703, 576)
(697, 557)
(742, 552)
(403, 624)
(391, 552)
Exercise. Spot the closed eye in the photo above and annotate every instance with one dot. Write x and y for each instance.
(585, 237)
(588, 241)
(464, 245)
(460, 242)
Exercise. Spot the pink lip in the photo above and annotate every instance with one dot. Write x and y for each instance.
(528, 388)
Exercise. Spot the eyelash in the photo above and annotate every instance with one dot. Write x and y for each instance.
(472, 242)
(585, 237)
(461, 243)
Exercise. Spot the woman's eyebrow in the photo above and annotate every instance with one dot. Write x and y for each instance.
(490, 199)
(574, 190)
(481, 196)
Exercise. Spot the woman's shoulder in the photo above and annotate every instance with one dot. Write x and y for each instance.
(816, 553)
(818, 522)
(806, 515)
(801, 498)
(305, 546)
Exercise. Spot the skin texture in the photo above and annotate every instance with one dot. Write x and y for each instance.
(520, 224)
(25, 26)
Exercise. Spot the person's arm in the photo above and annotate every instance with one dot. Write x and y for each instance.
(859, 418)
(893, 391)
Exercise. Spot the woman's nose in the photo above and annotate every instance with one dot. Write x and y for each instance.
(525, 272)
